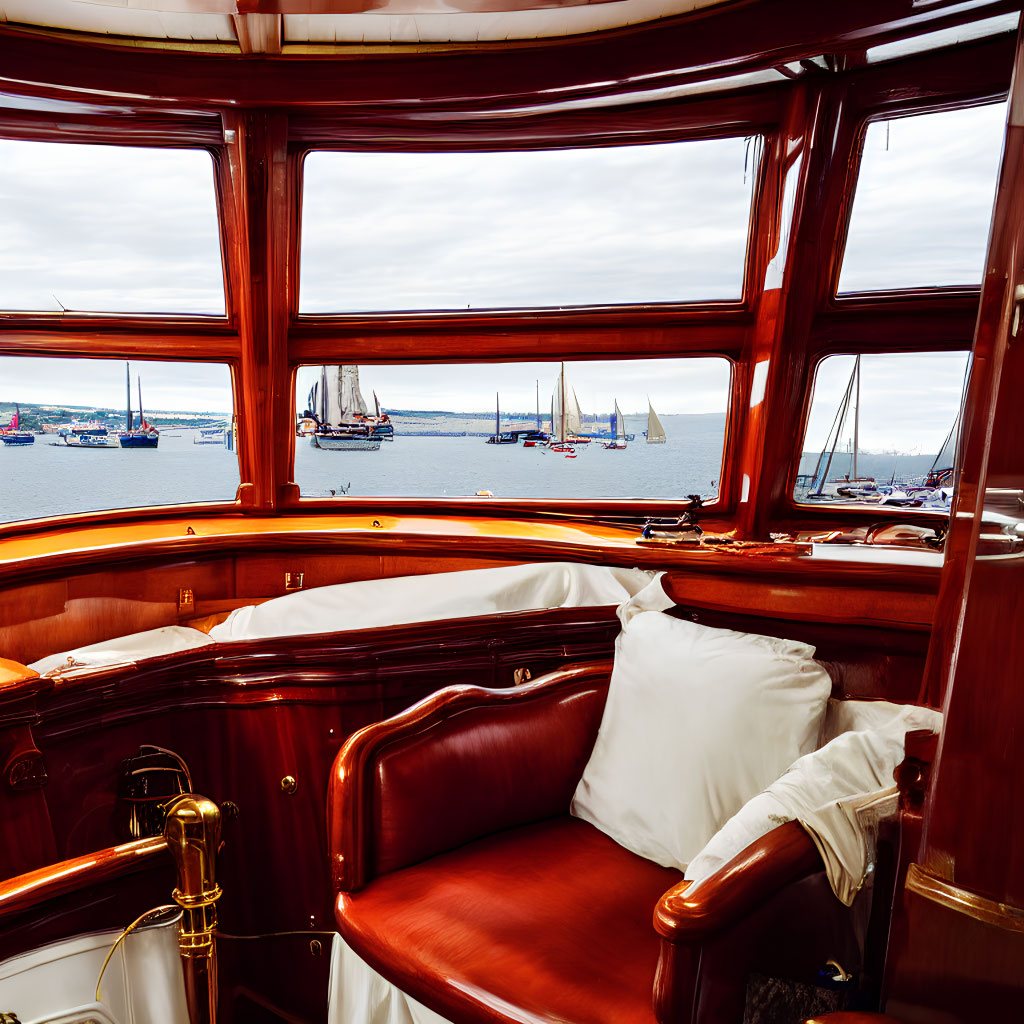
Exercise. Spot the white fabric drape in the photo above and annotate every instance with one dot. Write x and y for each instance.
(359, 995)
(446, 595)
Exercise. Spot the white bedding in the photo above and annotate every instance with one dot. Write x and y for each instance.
(135, 647)
(369, 603)
(447, 595)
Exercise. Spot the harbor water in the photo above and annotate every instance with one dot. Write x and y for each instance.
(47, 478)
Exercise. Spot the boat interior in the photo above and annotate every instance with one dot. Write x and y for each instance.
(379, 780)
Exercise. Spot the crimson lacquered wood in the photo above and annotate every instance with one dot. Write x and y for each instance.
(784, 855)
(27, 891)
(956, 958)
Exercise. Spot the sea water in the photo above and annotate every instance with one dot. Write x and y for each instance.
(48, 478)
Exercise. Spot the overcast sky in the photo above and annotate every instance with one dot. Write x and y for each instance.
(130, 230)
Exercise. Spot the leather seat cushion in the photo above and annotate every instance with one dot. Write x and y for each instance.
(548, 922)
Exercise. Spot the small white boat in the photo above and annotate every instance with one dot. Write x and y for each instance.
(91, 441)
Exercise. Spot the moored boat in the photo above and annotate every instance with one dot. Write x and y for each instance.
(12, 434)
(618, 442)
(145, 435)
(343, 422)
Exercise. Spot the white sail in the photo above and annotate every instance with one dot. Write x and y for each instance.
(655, 431)
(566, 419)
(330, 408)
(620, 427)
(573, 416)
(350, 398)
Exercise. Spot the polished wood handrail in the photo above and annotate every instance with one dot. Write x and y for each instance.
(25, 891)
(784, 855)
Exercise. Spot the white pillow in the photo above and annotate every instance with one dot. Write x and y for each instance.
(697, 721)
(826, 791)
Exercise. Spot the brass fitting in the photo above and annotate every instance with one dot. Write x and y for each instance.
(192, 831)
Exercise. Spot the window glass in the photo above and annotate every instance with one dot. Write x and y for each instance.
(513, 430)
(923, 203)
(406, 231)
(108, 229)
(883, 430)
(73, 437)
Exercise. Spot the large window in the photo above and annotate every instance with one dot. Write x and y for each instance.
(615, 429)
(75, 436)
(883, 430)
(108, 229)
(923, 203)
(457, 231)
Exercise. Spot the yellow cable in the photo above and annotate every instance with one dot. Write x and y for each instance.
(117, 942)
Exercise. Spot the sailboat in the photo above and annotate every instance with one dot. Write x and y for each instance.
(655, 431)
(854, 486)
(618, 442)
(11, 434)
(144, 435)
(509, 437)
(343, 425)
(566, 418)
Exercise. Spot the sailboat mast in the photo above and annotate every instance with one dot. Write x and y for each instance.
(839, 424)
(856, 419)
(561, 435)
(538, 403)
(128, 393)
(142, 418)
(497, 415)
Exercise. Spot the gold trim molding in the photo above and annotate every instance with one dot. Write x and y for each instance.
(1001, 915)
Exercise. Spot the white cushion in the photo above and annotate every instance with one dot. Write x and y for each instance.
(697, 721)
(832, 792)
(365, 604)
(135, 647)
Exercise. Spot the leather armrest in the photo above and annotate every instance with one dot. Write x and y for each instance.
(784, 855)
(462, 764)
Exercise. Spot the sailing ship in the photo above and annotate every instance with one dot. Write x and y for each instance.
(12, 434)
(566, 418)
(655, 432)
(145, 435)
(343, 424)
(618, 442)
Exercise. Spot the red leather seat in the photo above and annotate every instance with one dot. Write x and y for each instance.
(462, 879)
(553, 919)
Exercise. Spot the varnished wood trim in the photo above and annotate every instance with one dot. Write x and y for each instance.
(963, 901)
(784, 855)
(24, 892)
(14, 672)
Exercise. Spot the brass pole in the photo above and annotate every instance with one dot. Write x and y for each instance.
(192, 831)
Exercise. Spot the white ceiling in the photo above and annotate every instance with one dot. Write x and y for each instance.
(390, 21)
